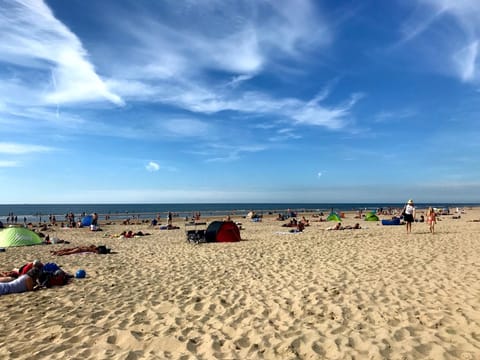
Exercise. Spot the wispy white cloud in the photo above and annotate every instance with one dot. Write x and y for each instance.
(233, 153)
(237, 46)
(186, 127)
(203, 66)
(388, 116)
(179, 74)
(31, 37)
(450, 30)
(152, 166)
(283, 134)
(17, 148)
(313, 113)
(225, 151)
(466, 61)
(8, 163)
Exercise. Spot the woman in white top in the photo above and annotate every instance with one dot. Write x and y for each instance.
(409, 215)
(21, 284)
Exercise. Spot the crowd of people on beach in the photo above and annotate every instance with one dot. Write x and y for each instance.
(33, 276)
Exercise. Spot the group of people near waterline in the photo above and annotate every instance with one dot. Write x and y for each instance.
(408, 214)
(29, 277)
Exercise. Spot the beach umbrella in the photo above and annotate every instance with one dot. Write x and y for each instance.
(17, 236)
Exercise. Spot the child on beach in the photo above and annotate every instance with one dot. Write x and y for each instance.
(431, 219)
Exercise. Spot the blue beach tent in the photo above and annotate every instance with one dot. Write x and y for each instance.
(87, 220)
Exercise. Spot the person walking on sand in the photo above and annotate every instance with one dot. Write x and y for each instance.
(431, 219)
(409, 215)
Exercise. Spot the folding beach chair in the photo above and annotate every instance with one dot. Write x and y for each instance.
(197, 234)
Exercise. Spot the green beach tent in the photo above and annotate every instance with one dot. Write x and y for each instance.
(334, 217)
(371, 216)
(16, 236)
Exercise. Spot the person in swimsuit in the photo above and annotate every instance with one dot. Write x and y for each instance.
(76, 250)
(431, 219)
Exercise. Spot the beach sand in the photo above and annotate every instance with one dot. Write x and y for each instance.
(372, 293)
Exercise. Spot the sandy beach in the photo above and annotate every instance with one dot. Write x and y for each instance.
(371, 293)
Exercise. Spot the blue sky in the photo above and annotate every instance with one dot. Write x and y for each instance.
(239, 101)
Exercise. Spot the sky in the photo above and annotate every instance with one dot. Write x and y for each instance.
(221, 101)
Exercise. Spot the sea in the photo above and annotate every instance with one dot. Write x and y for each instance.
(41, 212)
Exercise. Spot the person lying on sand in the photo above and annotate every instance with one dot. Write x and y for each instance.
(81, 249)
(22, 270)
(129, 234)
(356, 226)
(347, 227)
(336, 227)
(168, 227)
(26, 282)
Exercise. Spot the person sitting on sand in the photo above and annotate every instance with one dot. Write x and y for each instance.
(78, 250)
(305, 221)
(300, 227)
(26, 282)
(292, 223)
(127, 234)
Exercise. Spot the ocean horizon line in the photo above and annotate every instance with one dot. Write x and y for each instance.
(452, 203)
(146, 210)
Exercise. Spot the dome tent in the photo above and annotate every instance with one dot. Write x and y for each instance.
(371, 216)
(222, 231)
(17, 236)
(334, 217)
(87, 220)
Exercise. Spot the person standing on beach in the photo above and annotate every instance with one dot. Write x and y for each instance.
(170, 218)
(409, 215)
(95, 219)
(431, 219)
